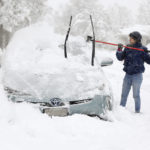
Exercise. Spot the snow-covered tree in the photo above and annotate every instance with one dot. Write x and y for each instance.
(19, 13)
(81, 25)
(120, 16)
(107, 21)
(144, 13)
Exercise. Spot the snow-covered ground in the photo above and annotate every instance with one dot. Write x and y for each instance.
(23, 127)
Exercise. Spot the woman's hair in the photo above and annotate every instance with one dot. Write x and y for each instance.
(136, 36)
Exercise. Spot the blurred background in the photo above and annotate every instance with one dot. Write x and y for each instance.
(110, 17)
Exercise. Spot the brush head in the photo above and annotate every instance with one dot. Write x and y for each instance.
(89, 38)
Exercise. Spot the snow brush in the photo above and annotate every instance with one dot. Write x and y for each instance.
(90, 38)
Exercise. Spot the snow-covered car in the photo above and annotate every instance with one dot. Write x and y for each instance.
(36, 71)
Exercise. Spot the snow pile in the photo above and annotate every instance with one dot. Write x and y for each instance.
(34, 63)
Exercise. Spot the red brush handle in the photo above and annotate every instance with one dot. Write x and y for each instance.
(123, 45)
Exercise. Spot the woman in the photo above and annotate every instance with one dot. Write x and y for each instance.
(134, 68)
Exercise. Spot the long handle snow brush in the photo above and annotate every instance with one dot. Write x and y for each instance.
(90, 38)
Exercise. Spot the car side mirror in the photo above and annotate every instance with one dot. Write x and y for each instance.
(106, 62)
